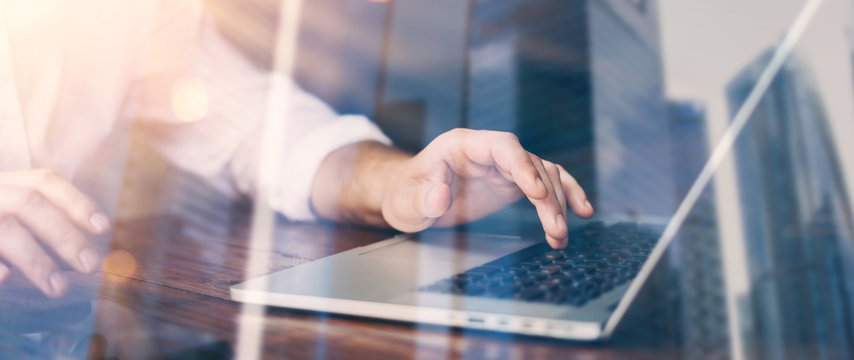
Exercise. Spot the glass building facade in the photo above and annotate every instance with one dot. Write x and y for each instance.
(795, 218)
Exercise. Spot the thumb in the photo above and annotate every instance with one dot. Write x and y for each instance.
(417, 205)
(434, 199)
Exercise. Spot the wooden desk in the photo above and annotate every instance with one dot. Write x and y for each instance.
(178, 294)
(186, 265)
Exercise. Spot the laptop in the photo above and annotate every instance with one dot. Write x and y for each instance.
(483, 281)
(496, 282)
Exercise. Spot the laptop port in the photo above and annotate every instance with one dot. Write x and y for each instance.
(527, 323)
(477, 319)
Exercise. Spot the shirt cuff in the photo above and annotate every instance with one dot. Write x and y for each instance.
(293, 198)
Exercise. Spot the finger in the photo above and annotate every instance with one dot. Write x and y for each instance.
(511, 158)
(554, 178)
(554, 175)
(575, 194)
(483, 149)
(433, 200)
(52, 227)
(549, 210)
(21, 250)
(416, 205)
(85, 213)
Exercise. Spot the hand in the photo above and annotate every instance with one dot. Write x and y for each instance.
(39, 211)
(464, 175)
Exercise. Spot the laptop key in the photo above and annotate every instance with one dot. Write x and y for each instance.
(475, 290)
(531, 294)
(551, 269)
(482, 270)
(539, 276)
(598, 259)
(503, 277)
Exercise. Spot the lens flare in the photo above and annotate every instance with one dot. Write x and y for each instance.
(189, 100)
(120, 264)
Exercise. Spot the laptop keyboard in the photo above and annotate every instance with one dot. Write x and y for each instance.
(597, 259)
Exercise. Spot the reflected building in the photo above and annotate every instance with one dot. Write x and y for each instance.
(796, 219)
(697, 249)
(580, 82)
(422, 82)
(338, 58)
(690, 147)
(339, 45)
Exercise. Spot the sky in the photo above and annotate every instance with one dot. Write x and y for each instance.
(706, 43)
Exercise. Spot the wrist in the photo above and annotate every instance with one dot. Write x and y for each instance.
(381, 166)
(352, 183)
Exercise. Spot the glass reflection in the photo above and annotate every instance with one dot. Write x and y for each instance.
(630, 96)
(796, 219)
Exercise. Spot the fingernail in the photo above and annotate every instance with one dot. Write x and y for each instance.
(89, 259)
(560, 244)
(432, 197)
(587, 204)
(432, 193)
(99, 222)
(58, 283)
(560, 221)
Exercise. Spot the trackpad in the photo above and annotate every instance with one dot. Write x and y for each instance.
(447, 246)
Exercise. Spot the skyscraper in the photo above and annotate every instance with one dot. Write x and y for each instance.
(338, 58)
(697, 246)
(580, 82)
(422, 88)
(795, 218)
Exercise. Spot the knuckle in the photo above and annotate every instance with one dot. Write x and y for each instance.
(508, 137)
(567, 176)
(32, 197)
(453, 136)
(549, 165)
(34, 263)
(457, 133)
(8, 223)
(45, 175)
(68, 239)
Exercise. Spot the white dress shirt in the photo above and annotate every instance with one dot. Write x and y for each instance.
(70, 70)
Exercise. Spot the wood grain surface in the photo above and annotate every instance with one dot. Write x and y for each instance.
(164, 293)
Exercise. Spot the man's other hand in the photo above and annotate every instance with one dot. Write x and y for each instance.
(465, 175)
(39, 211)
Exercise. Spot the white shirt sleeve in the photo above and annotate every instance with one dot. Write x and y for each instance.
(202, 105)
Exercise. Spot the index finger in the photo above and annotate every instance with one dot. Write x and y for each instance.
(80, 209)
(578, 199)
(504, 151)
